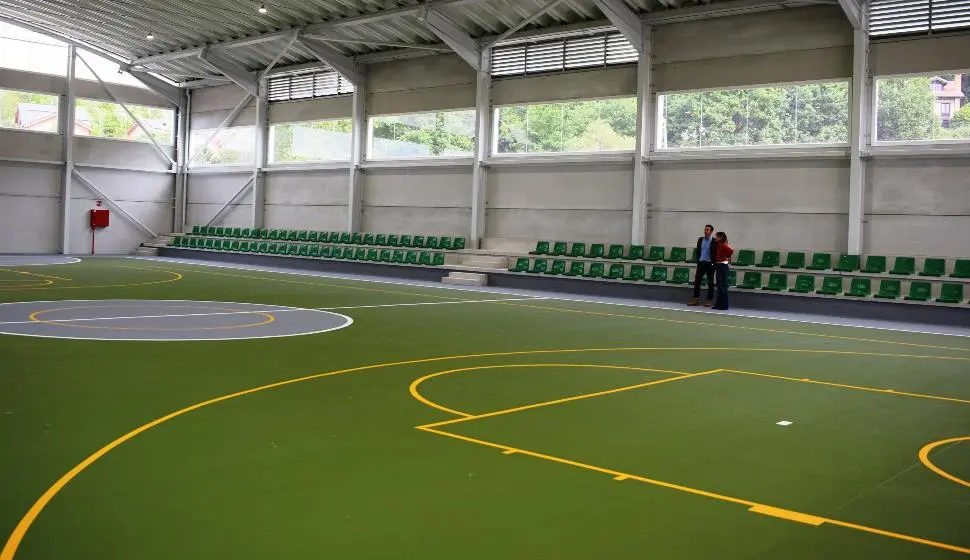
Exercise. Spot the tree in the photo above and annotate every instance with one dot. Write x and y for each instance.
(10, 101)
(961, 118)
(906, 110)
(608, 124)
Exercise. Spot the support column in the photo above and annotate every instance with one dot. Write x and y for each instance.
(358, 145)
(483, 148)
(181, 159)
(67, 130)
(860, 136)
(262, 155)
(646, 117)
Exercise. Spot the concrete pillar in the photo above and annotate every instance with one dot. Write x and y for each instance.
(860, 137)
(67, 130)
(181, 159)
(483, 148)
(262, 156)
(359, 145)
(646, 119)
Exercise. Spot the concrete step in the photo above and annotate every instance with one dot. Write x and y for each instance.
(484, 261)
(458, 278)
(146, 251)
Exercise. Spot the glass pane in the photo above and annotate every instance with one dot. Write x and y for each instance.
(770, 115)
(682, 120)
(600, 126)
(28, 111)
(450, 133)
(512, 135)
(724, 118)
(108, 71)
(822, 113)
(109, 120)
(231, 145)
(31, 52)
(931, 107)
(311, 141)
(544, 124)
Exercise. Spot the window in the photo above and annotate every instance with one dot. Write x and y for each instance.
(108, 71)
(577, 126)
(311, 141)
(782, 115)
(902, 17)
(109, 120)
(236, 145)
(308, 85)
(31, 52)
(445, 133)
(28, 111)
(910, 109)
(554, 55)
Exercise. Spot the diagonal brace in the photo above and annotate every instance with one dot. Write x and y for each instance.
(344, 65)
(855, 12)
(238, 74)
(171, 93)
(455, 37)
(239, 194)
(93, 188)
(626, 20)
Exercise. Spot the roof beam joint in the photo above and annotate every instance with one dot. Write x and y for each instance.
(242, 77)
(626, 20)
(455, 37)
(341, 63)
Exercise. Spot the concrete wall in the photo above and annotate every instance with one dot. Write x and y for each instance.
(314, 200)
(30, 206)
(918, 206)
(428, 200)
(207, 193)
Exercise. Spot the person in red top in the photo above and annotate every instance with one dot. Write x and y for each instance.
(722, 262)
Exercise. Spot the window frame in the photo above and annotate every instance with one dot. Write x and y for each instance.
(59, 129)
(271, 139)
(823, 149)
(888, 145)
(494, 154)
(369, 143)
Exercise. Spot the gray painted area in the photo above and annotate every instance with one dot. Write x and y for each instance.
(587, 84)
(37, 146)
(921, 54)
(420, 84)
(120, 153)
(430, 200)
(918, 206)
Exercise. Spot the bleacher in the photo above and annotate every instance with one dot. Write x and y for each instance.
(821, 274)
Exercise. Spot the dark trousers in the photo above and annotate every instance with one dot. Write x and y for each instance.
(722, 286)
(704, 269)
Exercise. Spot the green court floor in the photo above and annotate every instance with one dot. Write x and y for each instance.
(445, 424)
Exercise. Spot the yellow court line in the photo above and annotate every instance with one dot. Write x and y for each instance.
(924, 457)
(33, 274)
(269, 318)
(741, 327)
(313, 283)
(853, 387)
(176, 278)
(413, 388)
(13, 542)
(753, 507)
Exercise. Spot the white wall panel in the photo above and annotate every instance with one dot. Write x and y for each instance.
(208, 192)
(939, 236)
(426, 187)
(311, 110)
(785, 231)
(923, 54)
(319, 218)
(29, 208)
(239, 215)
(603, 226)
(579, 84)
(87, 89)
(428, 221)
(421, 84)
(121, 153)
(568, 187)
(38, 146)
(306, 200)
(29, 81)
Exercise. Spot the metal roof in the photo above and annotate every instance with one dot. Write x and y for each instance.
(364, 29)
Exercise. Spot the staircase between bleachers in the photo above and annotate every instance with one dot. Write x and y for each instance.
(459, 278)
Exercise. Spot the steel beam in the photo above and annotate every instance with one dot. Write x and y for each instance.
(181, 160)
(217, 217)
(854, 12)
(453, 36)
(344, 65)
(483, 148)
(114, 204)
(860, 138)
(380, 43)
(262, 156)
(626, 20)
(517, 27)
(68, 103)
(239, 75)
(359, 134)
(646, 138)
(172, 94)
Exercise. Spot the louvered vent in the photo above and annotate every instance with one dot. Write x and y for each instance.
(570, 53)
(309, 85)
(906, 17)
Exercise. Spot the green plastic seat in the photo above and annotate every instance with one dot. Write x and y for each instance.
(637, 273)
(794, 260)
(326, 251)
(777, 282)
(380, 239)
(210, 243)
(557, 268)
(745, 258)
(304, 250)
(210, 230)
(920, 291)
(693, 255)
(831, 286)
(770, 259)
(417, 241)
(293, 249)
(821, 261)
(245, 232)
(597, 251)
(439, 259)
(636, 253)
(234, 246)
(345, 238)
(236, 232)
(360, 253)
(616, 252)
(397, 256)
(313, 236)
(444, 242)
(539, 266)
(658, 274)
(804, 284)
(386, 256)
(405, 241)
(393, 239)
(903, 266)
(961, 269)
(373, 255)
(221, 231)
(261, 233)
(542, 248)
(950, 293)
(933, 267)
(848, 263)
(425, 259)
(263, 247)
(273, 234)
(681, 275)
(314, 251)
(656, 253)
(875, 264)
(616, 272)
(324, 237)
(558, 249)
(431, 242)
(273, 248)
(458, 244)
(197, 230)
(859, 287)
(411, 257)
(521, 265)
(577, 250)
(889, 289)
(732, 278)
(596, 270)
(752, 281)
(357, 238)
(303, 235)
(677, 255)
(576, 268)
(292, 235)
(369, 239)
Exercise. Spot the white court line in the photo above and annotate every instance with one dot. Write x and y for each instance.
(594, 300)
(256, 312)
